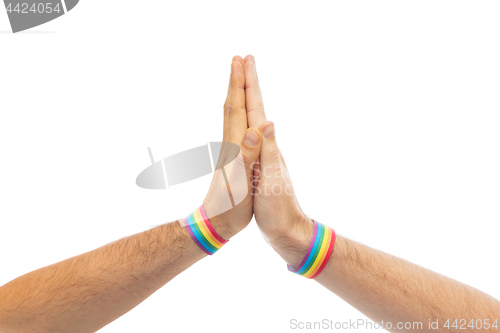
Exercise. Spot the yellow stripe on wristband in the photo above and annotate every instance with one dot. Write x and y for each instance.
(321, 255)
(208, 235)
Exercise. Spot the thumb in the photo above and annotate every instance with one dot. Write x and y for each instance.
(250, 150)
(235, 177)
(270, 153)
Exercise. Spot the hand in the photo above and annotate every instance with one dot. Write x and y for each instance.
(229, 202)
(277, 211)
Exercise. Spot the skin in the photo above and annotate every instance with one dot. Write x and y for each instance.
(383, 287)
(86, 292)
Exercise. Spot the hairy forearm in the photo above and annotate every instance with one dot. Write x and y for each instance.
(391, 289)
(388, 288)
(86, 292)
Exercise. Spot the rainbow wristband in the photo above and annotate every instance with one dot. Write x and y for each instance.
(202, 232)
(319, 252)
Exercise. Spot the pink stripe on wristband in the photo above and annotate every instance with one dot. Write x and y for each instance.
(290, 268)
(209, 225)
(201, 231)
(330, 250)
(320, 250)
(194, 237)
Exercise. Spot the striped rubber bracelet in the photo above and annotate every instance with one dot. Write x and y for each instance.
(202, 232)
(319, 252)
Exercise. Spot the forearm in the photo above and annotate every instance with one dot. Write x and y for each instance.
(86, 292)
(387, 288)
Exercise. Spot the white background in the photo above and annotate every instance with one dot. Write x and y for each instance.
(387, 114)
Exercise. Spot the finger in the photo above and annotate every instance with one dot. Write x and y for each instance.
(251, 58)
(250, 150)
(235, 121)
(240, 171)
(242, 62)
(270, 153)
(254, 102)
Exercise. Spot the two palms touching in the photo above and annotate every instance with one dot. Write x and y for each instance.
(258, 179)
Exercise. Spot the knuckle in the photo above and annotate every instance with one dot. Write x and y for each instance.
(246, 158)
(231, 108)
(259, 110)
(273, 152)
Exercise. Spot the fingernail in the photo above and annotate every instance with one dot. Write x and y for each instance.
(269, 131)
(251, 138)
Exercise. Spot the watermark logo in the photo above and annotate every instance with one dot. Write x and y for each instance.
(224, 159)
(26, 14)
(187, 165)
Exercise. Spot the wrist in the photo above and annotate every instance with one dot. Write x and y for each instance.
(230, 222)
(292, 244)
(202, 231)
(223, 226)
